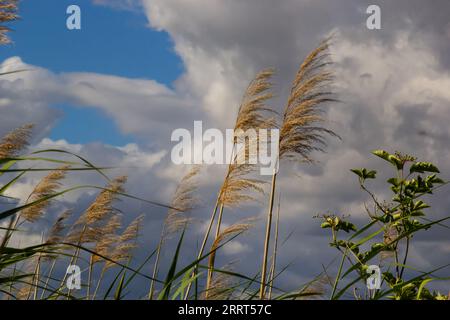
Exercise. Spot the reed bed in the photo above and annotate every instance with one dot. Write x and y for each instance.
(96, 238)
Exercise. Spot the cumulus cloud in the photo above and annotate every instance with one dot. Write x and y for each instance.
(138, 106)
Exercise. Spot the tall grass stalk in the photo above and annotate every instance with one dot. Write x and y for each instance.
(253, 114)
(300, 131)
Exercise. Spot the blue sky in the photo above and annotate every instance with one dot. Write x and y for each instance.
(115, 42)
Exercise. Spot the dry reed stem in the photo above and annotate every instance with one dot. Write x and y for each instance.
(301, 131)
(254, 114)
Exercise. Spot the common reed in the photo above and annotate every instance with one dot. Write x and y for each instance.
(27, 287)
(253, 113)
(227, 233)
(126, 243)
(15, 141)
(301, 131)
(45, 188)
(55, 236)
(183, 202)
(56, 232)
(275, 250)
(222, 285)
(104, 247)
(8, 13)
(88, 228)
(38, 197)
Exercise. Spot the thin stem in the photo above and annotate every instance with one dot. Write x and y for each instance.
(48, 278)
(98, 283)
(336, 281)
(202, 248)
(36, 277)
(212, 257)
(405, 258)
(275, 250)
(155, 269)
(267, 238)
(91, 267)
(397, 272)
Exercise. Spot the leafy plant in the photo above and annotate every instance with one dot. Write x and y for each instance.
(397, 221)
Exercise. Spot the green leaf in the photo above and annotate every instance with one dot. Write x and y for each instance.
(346, 226)
(419, 205)
(358, 172)
(164, 295)
(394, 181)
(325, 225)
(422, 286)
(422, 167)
(118, 293)
(187, 279)
(389, 158)
(364, 174)
(396, 161)
(382, 154)
(371, 174)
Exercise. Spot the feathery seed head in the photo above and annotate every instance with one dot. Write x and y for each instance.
(301, 131)
(102, 205)
(8, 12)
(184, 201)
(46, 187)
(15, 141)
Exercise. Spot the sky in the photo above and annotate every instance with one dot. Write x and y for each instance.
(109, 42)
(115, 90)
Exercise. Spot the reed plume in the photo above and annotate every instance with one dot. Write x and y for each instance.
(88, 228)
(15, 141)
(117, 248)
(102, 207)
(301, 131)
(56, 232)
(29, 279)
(126, 243)
(253, 114)
(45, 188)
(226, 234)
(104, 247)
(55, 236)
(108, 238)
(37, 200)
(222, 286)
(8, 13)
(183, 202)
